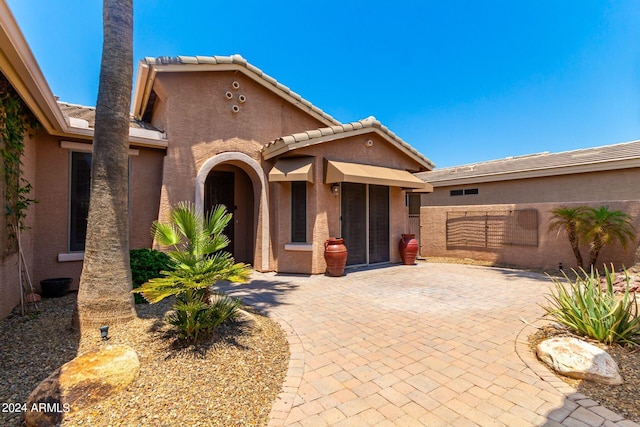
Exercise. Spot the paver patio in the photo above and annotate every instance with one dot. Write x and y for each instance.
(430, 344)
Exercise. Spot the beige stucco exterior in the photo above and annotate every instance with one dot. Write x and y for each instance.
(195, 119)
(617, 189)
(207, 135)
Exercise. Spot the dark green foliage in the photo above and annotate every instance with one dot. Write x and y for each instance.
(196, 319)
(15, 120)
(147, 264)
(196, 247)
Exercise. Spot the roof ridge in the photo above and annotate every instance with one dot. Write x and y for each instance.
(71, 104)
(368, 122)
(238, 60)
(527, 156)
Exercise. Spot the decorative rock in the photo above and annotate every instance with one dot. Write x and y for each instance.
(82, 382)
(577, 359)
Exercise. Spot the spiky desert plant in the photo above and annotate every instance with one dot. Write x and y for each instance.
(586, 308)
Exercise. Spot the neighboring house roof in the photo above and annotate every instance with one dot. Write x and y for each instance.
(370, 124)
(21, 69)
(149, 67)
(88, 115)
(608, 157)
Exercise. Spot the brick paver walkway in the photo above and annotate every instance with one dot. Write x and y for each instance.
(430, 344)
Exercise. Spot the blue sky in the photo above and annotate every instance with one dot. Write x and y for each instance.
(462, 81)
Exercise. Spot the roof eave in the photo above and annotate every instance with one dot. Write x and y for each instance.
(537, 173)
(23, 72)
(280, 147)
(147, 74)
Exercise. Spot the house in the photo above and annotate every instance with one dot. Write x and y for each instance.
(500, 210)
(211, 130)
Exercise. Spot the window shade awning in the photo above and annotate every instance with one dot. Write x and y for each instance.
(376, 175)
(294, 169)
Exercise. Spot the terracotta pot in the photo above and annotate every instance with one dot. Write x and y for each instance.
(408, 247)
(335, 255)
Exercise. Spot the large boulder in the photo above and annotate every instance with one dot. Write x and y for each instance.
(575, 358)
(82, 382)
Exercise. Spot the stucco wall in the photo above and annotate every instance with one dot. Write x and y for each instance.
(51, 229)
(552, 249)
(145, 182)
(323, 209)
(583, 187)
(201, 124)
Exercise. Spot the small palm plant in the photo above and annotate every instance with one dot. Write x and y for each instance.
(196, 244)
(569, 220)
(602, 226)
(589, 310)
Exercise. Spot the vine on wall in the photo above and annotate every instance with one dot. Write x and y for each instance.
(15, 119)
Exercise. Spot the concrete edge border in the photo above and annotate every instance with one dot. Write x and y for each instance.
(286, 398)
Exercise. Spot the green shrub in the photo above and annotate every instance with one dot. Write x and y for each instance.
(146, 264)
(196, 319)
(196, 244)
(591, 311)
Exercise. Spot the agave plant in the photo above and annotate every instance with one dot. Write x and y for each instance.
(589, 310)
(196, 244)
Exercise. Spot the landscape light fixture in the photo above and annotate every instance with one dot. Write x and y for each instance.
(104, 332)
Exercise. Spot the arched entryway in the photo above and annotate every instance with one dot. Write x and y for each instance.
(237, 181)
(229, 185)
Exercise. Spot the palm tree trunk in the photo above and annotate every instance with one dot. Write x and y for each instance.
(575, 246)
(596, 245)
(104, 295)
(635, 269)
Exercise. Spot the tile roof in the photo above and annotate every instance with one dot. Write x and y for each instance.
(540, 164)
(88, 114)
(286, 143)
(240, 61)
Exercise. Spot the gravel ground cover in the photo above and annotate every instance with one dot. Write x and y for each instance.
(232, 380)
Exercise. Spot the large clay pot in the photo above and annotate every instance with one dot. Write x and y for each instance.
(335, 255)
(408, 247)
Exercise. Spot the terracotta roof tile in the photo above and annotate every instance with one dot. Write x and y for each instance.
(238, 60)
(369, 122)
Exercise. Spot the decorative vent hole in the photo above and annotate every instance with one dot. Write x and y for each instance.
(235, 109)
(228, 95)
(242, 98)
(235, 85)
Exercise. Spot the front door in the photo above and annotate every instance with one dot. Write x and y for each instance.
(354, 225)
(365, 222)
(219, 190)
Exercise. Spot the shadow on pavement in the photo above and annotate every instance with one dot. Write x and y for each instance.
(260, 294)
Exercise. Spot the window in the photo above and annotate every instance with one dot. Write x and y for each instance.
(79, 199)
(298, 211)
(465, 192)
